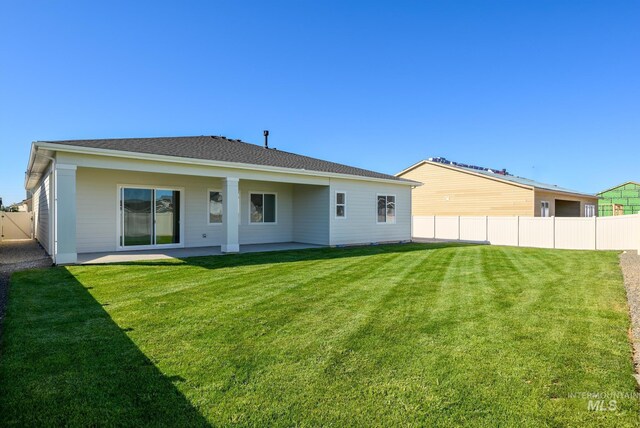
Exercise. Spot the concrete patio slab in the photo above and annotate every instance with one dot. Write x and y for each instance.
(180, 253)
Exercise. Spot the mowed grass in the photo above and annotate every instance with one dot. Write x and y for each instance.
(404, 335)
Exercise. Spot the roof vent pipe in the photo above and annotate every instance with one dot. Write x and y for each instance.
(266, 138)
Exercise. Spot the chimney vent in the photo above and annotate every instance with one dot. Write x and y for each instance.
(266, 138)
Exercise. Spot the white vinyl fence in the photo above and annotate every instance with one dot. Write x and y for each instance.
(576, 233)
(16, 225)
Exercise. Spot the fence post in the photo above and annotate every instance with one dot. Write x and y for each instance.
(486, 228)
(638, 234)
(554, 231)
(434, 227)
(595, 232)
(459, 234)
(518, 231)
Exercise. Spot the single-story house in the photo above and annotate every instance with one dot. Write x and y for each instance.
(146, 193)
(454, 189)
(620, 200)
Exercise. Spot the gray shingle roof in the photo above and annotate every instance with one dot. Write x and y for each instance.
(223, 149)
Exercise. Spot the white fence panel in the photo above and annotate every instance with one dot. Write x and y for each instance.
(503, 230)
(447, 227)
(576, 233)
(536, 232)
(473, 228)
(423, 226)
(618, 232)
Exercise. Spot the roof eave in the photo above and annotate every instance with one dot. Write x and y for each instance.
(176, 159)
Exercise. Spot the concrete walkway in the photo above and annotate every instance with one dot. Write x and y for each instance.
(180, 253)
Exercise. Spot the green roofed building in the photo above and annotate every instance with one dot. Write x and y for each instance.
(620, 200)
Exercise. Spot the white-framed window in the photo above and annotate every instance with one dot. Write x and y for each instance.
(215, 206)
(150, 216)
(262, 207)
(589, 210)
(544, 208)
(386, 209)
(341, 205)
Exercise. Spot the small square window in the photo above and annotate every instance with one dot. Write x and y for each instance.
(262, 208)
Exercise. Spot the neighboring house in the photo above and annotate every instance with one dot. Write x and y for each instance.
(146, 193)
(23, 206)
(452, 189)
(620, 200)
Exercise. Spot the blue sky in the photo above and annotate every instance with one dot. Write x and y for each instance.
(549, 90)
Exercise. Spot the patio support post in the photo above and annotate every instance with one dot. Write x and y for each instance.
(230, 215)
(64, 218)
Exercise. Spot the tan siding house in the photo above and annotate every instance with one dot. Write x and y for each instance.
(452, 190)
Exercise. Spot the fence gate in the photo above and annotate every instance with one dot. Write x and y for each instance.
(16, 225)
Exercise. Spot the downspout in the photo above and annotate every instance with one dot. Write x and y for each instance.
(54, 209)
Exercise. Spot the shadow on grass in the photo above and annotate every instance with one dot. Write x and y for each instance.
(289, 256)
(64, 361)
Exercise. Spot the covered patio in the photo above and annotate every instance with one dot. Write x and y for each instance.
(180, 253)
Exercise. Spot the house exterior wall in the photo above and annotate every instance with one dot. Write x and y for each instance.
(305, 204)
(360, 224)
(551, 197)
(311, 209)
(448, 192)
(627, 195)
(42, 203)
(264, 233)
(98, 211)
(98, 214)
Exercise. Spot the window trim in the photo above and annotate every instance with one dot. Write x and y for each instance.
(275, 207)
(208, 199)
(395, 201)
(548, 209)
(593, 208)
(336, 204)
(153, 187)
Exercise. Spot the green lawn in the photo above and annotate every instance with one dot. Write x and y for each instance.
(407, 335)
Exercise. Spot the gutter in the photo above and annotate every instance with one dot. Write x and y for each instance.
(222, 164)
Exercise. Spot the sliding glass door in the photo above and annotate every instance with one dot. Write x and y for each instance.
(149, 217)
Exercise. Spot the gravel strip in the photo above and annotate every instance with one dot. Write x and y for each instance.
(15, 256)
(630, 264)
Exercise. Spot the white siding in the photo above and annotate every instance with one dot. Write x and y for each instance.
(311, 214)
(97, 191)
(310, 219)
(360, 225)
(261, 233)
(42, 204)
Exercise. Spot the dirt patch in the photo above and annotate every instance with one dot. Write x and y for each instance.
(630, 264)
